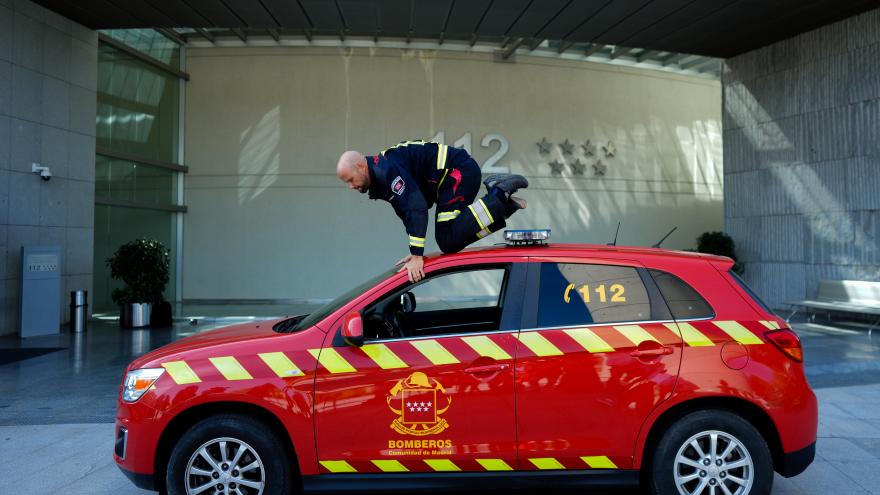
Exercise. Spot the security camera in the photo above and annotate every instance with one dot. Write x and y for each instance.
(44, 172)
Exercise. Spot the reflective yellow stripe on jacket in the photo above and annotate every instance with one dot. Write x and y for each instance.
(445, 216)
(442, 150)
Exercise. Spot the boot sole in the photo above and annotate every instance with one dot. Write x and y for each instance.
(502, 181)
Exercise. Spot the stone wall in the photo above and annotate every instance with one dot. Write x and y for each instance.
(265, 126)
(801, 164)
(48, 70)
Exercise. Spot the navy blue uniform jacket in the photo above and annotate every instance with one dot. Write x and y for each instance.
(408, 175)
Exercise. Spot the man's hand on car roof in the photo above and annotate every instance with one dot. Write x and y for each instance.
(414, 266)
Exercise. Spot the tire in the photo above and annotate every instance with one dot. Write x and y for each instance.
(746, 470)
(267, 467)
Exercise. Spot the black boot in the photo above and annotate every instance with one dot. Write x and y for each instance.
(508, 183)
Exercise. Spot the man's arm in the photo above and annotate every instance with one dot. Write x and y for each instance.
(411, 207)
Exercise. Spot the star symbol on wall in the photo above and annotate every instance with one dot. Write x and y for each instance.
(578, 167)
(599, 168)
(544, 146)
(589, 148)
(609, 149)
(567, 147)
(556, 167)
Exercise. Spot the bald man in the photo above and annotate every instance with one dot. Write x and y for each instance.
(413, 175)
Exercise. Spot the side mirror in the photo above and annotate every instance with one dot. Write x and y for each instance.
(407, 302)
(353, 329)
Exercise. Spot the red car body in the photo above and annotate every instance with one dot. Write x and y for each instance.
(593, 397)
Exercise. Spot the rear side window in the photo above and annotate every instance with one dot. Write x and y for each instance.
(580, 294)
(683, 300)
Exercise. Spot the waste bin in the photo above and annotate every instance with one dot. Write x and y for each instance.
(79, 310)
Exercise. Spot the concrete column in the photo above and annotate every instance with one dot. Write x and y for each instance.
(48, 71)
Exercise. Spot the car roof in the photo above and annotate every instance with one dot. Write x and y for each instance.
(565, 249)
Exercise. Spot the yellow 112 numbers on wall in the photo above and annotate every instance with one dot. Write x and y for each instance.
(597, 294)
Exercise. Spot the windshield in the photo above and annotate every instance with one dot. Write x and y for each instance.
(325, 310)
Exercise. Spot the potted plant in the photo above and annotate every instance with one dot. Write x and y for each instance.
(721, 244)
(142, 265)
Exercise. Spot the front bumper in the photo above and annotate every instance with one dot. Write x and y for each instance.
(134, 453)
(140, 480)
(794, 463)
(137, 436)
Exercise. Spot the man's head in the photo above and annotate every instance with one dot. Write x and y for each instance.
(352, 169)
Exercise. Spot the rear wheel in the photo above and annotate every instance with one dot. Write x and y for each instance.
(229, 454)
(711, 452)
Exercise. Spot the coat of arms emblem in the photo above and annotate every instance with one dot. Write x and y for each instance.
(414, 399)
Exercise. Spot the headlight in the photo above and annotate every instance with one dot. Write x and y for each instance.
(139, 381)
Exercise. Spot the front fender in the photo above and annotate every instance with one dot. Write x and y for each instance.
(290, 403)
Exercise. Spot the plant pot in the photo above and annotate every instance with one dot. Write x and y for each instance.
(135, 315)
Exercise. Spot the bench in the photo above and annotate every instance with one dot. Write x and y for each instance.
(848, 296)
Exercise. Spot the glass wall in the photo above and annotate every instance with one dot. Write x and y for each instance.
(115, 226)
(149, 42)
(137, 162)
(130, 181)
(138, 107)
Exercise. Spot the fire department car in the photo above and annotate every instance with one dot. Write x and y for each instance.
(527, 366)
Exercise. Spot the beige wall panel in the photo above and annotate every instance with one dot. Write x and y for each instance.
(264, 126)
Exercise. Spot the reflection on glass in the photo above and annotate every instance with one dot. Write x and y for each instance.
(148, 42)
(130, 181)
(580, 294)
(469, 289)
(137, 107)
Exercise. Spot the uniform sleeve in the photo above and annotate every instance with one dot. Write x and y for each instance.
(411, 207)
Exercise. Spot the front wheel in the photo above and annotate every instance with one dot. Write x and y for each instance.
(229, 454)
(711, 452)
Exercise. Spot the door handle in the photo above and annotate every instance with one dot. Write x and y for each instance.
(489, 368)
(659, 351)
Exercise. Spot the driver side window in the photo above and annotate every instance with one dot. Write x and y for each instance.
(459, 290)
(446, 303)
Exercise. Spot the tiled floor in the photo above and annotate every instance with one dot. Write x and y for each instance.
(56, 410)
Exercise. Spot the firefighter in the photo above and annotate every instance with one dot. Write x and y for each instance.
(413, 175)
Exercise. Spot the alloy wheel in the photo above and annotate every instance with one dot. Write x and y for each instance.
(225, 466)
(713, 463)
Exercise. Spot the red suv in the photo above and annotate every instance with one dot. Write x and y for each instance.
(507, 367)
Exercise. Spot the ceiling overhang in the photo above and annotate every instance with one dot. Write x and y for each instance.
(713, 28)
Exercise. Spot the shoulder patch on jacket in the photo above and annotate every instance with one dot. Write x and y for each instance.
(397, 186)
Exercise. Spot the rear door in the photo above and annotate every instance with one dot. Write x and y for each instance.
(597, 352)
(437, 399)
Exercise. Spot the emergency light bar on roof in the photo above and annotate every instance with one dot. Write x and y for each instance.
(526, 237)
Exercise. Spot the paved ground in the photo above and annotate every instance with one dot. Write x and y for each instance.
(56, 410)
(75, 459)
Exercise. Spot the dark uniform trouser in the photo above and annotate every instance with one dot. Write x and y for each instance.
(460, 220)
